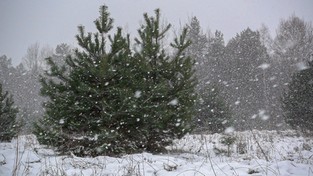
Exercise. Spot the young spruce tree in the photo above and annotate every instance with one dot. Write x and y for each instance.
(118, 101)
(7, 116)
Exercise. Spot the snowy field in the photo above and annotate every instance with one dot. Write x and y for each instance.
(278, 154)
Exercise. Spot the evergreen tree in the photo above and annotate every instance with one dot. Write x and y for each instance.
(216, 58)
(115, 101)
(266, 38)
(167, 84)
(290, 49)
(83, 114)
(7, 116)
(247, 79)
(25, 87)
(198, 50)
(214, 114)
(7, 72)
(298, 100)
(208, 53)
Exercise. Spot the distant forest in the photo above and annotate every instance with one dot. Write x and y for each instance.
(246, 76)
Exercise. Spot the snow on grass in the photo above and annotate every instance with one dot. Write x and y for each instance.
(288, 154)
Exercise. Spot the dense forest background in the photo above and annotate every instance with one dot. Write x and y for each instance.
(244, 79)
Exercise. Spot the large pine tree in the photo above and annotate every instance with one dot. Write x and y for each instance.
(7, 116)
(115, 101)
(247, 78)
(167, 84)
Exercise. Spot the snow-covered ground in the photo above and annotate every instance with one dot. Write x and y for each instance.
(278, 154)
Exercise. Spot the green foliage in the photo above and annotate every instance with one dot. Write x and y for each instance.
(246, 80)
(247, 53)
(213, 113)
(229, 141)
(198, 50)
(298, 100)
(167, 85)
(7, 116)
(118, 101)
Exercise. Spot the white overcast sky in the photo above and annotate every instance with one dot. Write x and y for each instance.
(51, 22)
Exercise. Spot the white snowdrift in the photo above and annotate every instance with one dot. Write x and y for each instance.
(287, 154)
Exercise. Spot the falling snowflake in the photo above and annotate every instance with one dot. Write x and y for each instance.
(174, 102)
(301, 66)
(272, 78)
(264, 66)
(61, 121)
(229, 130)
(137, 94)
(224, 122)
(262, 115)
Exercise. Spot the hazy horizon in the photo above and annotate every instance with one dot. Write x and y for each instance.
(54, 22)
